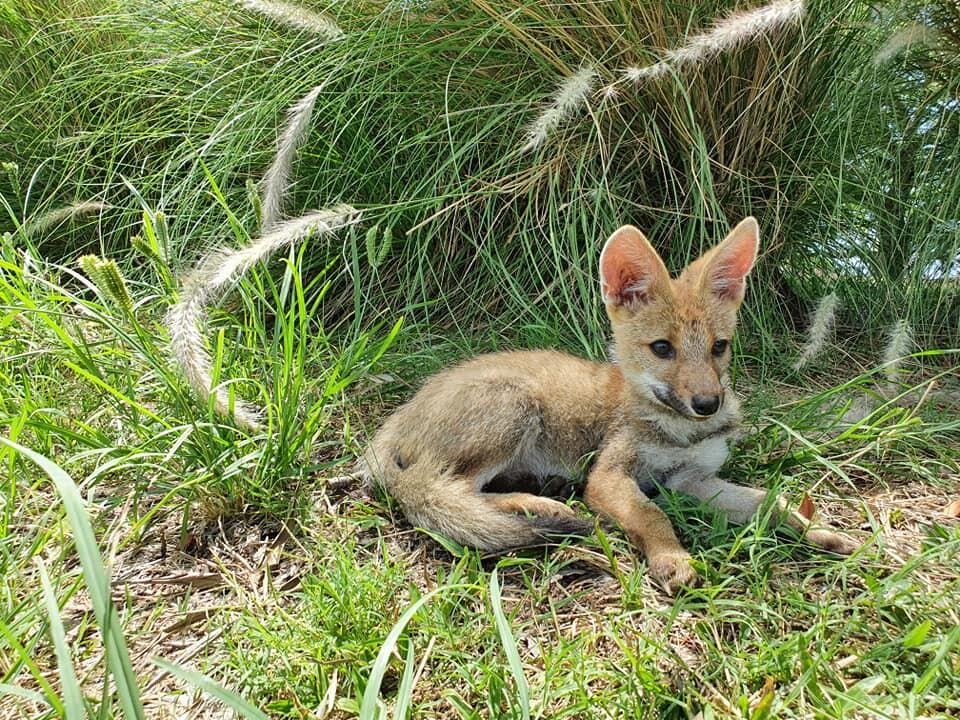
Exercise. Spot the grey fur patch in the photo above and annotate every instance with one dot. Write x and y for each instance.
(556, 528)
(669, 398)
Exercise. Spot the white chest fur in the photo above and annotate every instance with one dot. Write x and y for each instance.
(705, 457)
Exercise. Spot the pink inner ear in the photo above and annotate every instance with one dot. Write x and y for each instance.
(732, 264)
(727, 286)
(627, 270)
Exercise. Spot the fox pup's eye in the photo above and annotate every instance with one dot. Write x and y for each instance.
(720, 347)
(662, 349)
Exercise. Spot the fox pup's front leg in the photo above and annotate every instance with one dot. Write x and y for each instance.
(741, 503)
(612, 491)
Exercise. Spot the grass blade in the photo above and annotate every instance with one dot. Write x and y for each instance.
(201, 681)
(405, 690)
(70, 688)
(98, 585)
(30, 695)
(368, 706)
(509, 646)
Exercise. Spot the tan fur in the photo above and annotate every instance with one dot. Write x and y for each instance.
(539, 413)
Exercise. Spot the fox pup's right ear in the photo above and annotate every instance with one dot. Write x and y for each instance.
(631, 271)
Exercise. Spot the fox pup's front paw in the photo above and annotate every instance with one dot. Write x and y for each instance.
(674, 570)
(833, 541)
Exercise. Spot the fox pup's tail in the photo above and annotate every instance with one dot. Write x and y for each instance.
(432, 497)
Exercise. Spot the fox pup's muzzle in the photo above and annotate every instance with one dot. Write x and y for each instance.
(702, 406)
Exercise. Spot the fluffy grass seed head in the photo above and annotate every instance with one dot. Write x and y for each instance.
(735, 30)
(52, 218)
(899, 344)
(902, 41)
(276, 180)
(214, 272)
(295, 16)
(821, 324)
(569, 97)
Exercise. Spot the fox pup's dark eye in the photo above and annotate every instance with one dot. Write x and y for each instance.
(662, 349)
(720, 347)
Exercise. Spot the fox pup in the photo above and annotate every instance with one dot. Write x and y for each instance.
(661, 413)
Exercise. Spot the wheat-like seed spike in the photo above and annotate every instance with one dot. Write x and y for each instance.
(214, 272)
(276, 179)
(295, 16)
(820, 326)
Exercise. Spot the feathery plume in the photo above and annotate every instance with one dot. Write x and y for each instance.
(820, 325)
(276, 179)
(295, 16)
(215, 271)
(636, 75)
(570, 95)
(902, 41)
(899, 344)
(728, 33)
(736, 30)
(53, 218)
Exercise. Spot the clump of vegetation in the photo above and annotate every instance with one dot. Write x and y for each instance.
(490, 147)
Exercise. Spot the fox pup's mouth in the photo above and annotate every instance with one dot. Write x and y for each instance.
(668, 397)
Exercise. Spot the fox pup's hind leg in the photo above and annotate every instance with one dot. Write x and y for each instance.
(522, 503)
(612, 491)
(741, 503)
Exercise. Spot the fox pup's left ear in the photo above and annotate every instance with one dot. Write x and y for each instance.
(731, 260)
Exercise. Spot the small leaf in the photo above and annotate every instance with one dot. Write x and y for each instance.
(451, 546)
(915, 637)
(806, 507)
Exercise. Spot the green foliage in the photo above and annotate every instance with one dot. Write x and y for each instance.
(98, 585)
(847, 162)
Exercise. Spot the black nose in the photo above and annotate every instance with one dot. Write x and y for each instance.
(705, 404)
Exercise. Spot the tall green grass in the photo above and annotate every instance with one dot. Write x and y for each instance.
(846, 162)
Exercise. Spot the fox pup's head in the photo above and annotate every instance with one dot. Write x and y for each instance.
(673, 336)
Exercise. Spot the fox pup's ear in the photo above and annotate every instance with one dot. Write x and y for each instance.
(731, 260)
(631, 271)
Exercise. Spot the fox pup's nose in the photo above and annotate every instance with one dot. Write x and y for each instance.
(705, 404)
